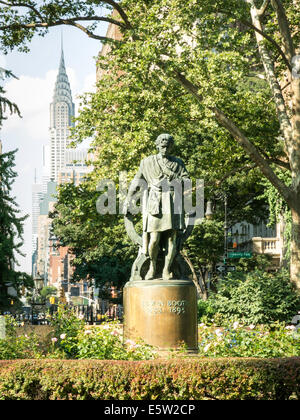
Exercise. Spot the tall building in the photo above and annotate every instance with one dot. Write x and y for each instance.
(46, 167)
(44, 231)
(37, 196)
(75, 168)
(61, 165)
(62, 110)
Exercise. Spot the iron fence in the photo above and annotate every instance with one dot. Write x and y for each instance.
(89, 313)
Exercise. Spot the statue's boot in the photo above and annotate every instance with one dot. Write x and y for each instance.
(166, 275)
(151, 272)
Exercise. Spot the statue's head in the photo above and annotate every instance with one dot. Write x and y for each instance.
(164, 143)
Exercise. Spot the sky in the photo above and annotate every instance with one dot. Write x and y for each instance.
(33, 92)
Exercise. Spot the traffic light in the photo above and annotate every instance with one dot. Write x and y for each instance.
(52, 300)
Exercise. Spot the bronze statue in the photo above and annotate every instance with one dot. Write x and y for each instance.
(163, 213)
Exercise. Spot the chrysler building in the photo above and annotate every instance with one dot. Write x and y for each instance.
(62, 110)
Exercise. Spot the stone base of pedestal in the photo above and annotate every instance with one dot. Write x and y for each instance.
(161, 313)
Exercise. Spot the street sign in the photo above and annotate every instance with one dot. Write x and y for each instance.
(222, 268)
(240, 255)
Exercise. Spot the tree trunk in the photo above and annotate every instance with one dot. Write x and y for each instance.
(201, 290)
(295, 248)
(295, 165)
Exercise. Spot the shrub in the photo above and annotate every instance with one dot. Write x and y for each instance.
(65, 324)
(72, 340)
(184, 379)
(236, 340)
(18, 347)
(254, 298)
(106, 342)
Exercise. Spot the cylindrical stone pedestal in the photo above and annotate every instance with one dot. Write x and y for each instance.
(162, 313)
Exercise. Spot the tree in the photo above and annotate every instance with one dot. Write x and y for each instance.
(98, 244)
(205, 49)
(123, 123)
(11, 225)
(48, 291)
(4, 102)
(11, 231)
(203, 251)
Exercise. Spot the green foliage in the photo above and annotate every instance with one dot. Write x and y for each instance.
(279, 210)
(11, 232)
(169, 49)
(124, 123)
(106, 342)
(236, 340)
(16, 346)
(4, 102)
(48, 291)
(184, 379)
(66, 324)
(99, 244)
(206, 244)
(260, 262)
(71, 339)
(254, 298)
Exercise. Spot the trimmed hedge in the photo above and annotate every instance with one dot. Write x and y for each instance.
(175, 379)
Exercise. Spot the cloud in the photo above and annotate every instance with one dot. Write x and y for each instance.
(33, 96)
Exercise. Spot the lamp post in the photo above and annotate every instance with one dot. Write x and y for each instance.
(38, 282)
(209, 212)
(209, 216)
(36, 299)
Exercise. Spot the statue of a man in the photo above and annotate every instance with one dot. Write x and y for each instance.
(163, 216)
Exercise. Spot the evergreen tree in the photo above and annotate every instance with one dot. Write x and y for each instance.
(11, 224)
(11, 231)
(4, 102)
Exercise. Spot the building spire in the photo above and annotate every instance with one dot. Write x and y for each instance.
(62, 68)
(62, 91)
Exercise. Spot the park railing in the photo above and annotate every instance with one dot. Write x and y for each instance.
(91, 314)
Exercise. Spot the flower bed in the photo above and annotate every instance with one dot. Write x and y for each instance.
(236, 340)
(70, 338)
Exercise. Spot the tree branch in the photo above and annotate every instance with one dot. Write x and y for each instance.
(263, 8)
(270, 39)
(285, 123)
(261, 32)
(200, 286)
(71, 22)
(242, 140)
(254, 154)
(120, 10)
(29, 6)
(233, 172)
(284, 29)
(280, 163)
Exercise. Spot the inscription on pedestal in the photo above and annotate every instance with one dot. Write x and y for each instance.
(154, 307)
